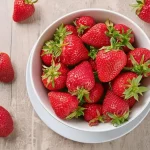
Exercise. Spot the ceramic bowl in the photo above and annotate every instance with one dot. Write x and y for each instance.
(100, 15)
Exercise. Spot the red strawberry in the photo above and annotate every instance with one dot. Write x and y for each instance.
(93, 114)
(138, 61)
(65, 105)
(6, 123)
(50, 51)
(115, 109)
(80, 80)
(96, 36)
(84, 23)
(127, 34)
(110, 63)
(95, 94)
(23, 9)
(6, 69)
(73, 51)
(93, 64)
(127, 85)
(143, 10)
(131, 102)
(54, 77)
(71, 28)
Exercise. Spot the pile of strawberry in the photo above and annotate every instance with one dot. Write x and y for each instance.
(93, 71)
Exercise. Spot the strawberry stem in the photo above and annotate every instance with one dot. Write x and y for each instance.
(30, 1)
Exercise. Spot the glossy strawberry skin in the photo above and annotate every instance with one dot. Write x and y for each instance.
(96, 36)
(93, 64)
(114, 105)
(145, 12)
(63, 103)
(6, 68)
(71, 28)
(91, 112)
(74, 51)
(109, 64)
(137, 54)
(96, 93)
(6, 123)
(60, 82)
(119, 84)
(80, 76)
(131, 102)
(22, 11)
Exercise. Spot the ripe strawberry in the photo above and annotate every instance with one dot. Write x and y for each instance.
(127, 85)
(128, 36)
(93, 114)
(109, 64)
(54, 77)
(80, 80)
(6, 69)
(138, 61)
(143, 10)
(115, 109)
(131, 102)
(96, 36)
(93, 64)
(71, 28)
(95, 94)
(84, 23)
(6, 123)
(50, 51)
(65, 105)
(73, 51)
(23, 9)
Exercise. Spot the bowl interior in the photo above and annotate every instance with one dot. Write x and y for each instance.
(35, 67)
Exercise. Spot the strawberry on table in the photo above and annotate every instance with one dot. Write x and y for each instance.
(80, 80)
(73, 51)
(23, 9)
(138, 61)
(54, 77)
(93, 114)
(6, 68)
(96, 36)
(127, 85)
(65, 105)
(110, 62)
(84, 23)
(115, 109)
(6, 123)
(95, 94)
(143, 10)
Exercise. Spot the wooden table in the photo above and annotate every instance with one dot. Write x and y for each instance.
(17, 40)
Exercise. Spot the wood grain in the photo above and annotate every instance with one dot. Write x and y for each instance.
(17, 40)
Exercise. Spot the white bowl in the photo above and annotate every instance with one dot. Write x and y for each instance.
(35, 66)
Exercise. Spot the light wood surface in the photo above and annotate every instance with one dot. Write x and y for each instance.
(17, 40)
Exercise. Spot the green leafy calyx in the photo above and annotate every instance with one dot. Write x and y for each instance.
(93, 52)
(30, 1)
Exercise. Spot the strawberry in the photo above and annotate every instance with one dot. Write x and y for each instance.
(6, 69)
(115, 109)
(96, 36)
(65, 105)
(95, 94)
(73, 51)
(84, 23)
(143, 10)
(93, 64)
(93, 114)
(109, 63)
(71, 28)
(80, 80)
(54, 77)
(50, 51)
(23, 9)
(127, 36)
(6, 123)
(127, 85)
(131, 102)
(138, 61)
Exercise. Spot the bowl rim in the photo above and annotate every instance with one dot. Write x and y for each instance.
(34, 49)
